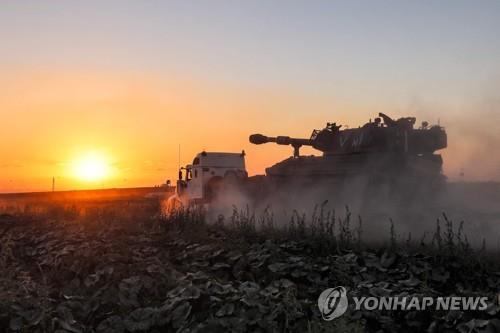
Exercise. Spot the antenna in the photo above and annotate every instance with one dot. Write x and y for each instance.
(53, 183)
(179, 158)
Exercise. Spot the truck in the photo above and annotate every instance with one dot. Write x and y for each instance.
(210, 173)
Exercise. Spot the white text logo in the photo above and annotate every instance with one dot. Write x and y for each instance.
(332, 303)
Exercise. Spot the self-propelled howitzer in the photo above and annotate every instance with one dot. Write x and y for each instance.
(384, 148)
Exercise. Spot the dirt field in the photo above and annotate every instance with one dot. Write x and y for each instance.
(118, 265)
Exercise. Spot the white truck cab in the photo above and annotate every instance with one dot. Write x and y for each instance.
(198, 182)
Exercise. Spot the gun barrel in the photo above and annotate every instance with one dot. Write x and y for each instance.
(259, 139)
(296, 143)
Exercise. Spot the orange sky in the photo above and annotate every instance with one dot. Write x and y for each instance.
(50, 119)
(137, 123)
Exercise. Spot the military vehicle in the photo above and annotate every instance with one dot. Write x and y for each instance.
(209, 173)
(382, 154)
(383, 150)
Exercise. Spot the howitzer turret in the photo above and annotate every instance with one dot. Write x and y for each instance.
(383, 148)
(387, 136)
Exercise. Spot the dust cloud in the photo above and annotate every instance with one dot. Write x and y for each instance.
(473, 128)
(414, 212)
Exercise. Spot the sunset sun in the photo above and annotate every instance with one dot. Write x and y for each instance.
(91, 167)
